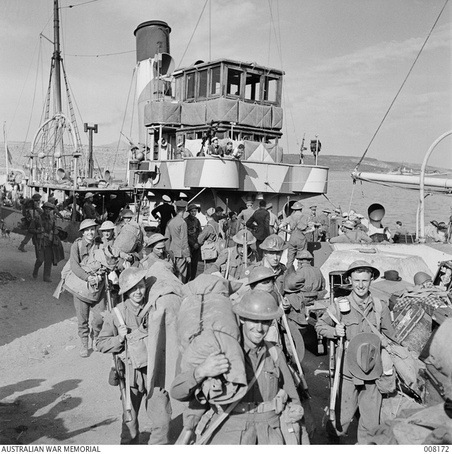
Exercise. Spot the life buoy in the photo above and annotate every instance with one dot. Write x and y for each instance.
(156, 178)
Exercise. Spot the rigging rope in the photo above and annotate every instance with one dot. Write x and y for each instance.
(278, 42)
(80, 4)
(401, 87)
(100, 55)
(34, 97)
(193, 34)
(124, 118)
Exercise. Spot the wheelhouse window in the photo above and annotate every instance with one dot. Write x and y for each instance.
(233, 82)
(271, 89)
(215, 76)
(252, 86)
(190, 86)
(202, 84)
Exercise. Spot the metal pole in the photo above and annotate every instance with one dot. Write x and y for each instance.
(421, 187)
(74, 201)
(90, 129)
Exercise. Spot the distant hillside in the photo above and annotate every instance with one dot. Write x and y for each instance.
(112, 156)
(348, 163)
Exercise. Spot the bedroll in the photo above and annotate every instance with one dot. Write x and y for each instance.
(129, 239)
(206, 325)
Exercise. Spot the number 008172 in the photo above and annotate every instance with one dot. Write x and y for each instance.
(437, 448)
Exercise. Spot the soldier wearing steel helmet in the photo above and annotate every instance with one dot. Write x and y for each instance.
(81, 251)
(127, 322)
(155, 249)
(89, 209)
(45, 236)
(255, 419)
(358, 388)
(107, 231)
(272, 249)
(298, 224)
(31, 209)
(231, 261)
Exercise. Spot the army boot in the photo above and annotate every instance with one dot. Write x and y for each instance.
(84, 349)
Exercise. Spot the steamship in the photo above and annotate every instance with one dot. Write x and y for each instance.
(229, 99)
(233, 100)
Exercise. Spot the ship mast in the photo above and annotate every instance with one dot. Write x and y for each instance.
(57, 80)
(57, 56)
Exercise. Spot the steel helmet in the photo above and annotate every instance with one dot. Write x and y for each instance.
(107, 225)
(239, 237)
(421, 277)
(154, 239)
(362, 264)
(87, 223)
(260, 273)
(304, 254)
(258, 305)
(129, 278)
(297, 206)
(273, 243)
(126, 213)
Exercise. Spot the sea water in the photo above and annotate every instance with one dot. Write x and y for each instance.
(400, 204)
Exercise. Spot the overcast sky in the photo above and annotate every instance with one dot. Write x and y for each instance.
(344, 62)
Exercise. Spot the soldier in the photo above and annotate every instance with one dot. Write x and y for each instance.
(210, 233)
(107, 230)
(256, 418)
(245, 214)
(274, 223)
(125, 216)
(325, 225)
(44, 231)
(89, 211)
(301, 288)
(272, 249)
(313, 220)
(356, 390)
(262, 278)
(118, 330)
(30, 211)
(231, 261)
(177, 243)
(81, 252)
(193, 231)
(307, 279)
(298, 224)
(157, 246)
(351, 235)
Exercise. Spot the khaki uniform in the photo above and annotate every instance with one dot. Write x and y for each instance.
(355, 393)
(44, 231)
(177, 245)
(229, 258)
(158, 408)
(80, 250)
(298, 223)
(244, 426)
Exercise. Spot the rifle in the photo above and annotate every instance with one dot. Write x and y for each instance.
(303, 382)
(119, 368)
(336, 359)
(245, 250)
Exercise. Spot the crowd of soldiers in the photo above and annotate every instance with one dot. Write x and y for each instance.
(270, 302)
